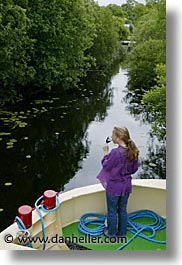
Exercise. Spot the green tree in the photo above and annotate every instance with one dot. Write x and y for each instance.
(149, 49)
(48, 45)
(119, 19)
(128, 10)
(142, 63)
(155, 102)
(63, 31)
(116, 10)
(106, 45)
(139, 10)
(146, 60)
(15, 68)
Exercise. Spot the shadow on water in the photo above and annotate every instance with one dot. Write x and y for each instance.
(44, 142)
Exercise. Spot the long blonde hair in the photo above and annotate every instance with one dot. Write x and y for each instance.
(123, 134)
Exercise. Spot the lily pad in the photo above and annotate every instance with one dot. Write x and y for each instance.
(61, 107)
(22, 124)
(8, 184)
(9, 146)
(7, 121)
(28, 156)
(152, 164)
(22, 117)
(9, 143)
(43, 109)
(13, 140)
(4, 133)
(35, 110)
(38, 102)
(43, 101)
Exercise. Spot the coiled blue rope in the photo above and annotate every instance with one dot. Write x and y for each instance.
(135, 228)
(41, 207)
(98, 220)
(22, 227)
(38, 207)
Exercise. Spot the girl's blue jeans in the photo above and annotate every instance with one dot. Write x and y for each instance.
(117, 214)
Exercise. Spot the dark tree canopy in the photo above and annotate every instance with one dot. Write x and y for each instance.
(47, 45)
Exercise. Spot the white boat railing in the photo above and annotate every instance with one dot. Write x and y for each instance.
(146, 194)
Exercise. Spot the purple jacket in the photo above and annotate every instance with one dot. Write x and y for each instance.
(116, 171)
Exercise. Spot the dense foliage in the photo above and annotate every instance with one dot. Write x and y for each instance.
(146, 64)
(110, 30)
(48, 45)
(15, 50)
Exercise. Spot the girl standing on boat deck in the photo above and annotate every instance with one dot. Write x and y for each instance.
(115, 176)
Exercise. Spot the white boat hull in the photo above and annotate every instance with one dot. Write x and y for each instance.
(146, 194)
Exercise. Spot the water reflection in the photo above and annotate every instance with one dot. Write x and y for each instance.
(61, 146)
(154, 164)
(133, 105)
(51, 148)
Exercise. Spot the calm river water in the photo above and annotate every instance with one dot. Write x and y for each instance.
(57, 143)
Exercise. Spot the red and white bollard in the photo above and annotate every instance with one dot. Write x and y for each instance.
(49, 200)
(25, 213)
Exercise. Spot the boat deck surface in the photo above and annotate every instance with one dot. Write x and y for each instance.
(138, 243)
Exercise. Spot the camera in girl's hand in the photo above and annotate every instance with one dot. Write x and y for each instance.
(108, 140)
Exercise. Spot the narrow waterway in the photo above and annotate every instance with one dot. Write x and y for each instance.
(116, 114)
(56, 143)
